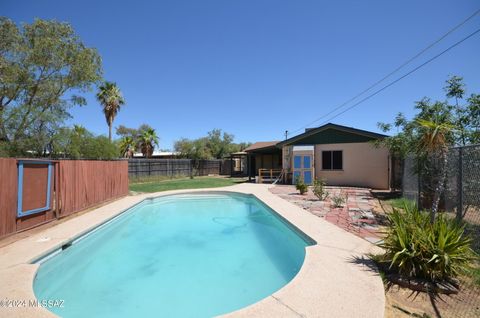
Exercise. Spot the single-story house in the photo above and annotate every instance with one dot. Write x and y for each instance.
(159, 155)
(263, 155)
(341, 155)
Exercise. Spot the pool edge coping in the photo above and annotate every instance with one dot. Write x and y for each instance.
(260, 308)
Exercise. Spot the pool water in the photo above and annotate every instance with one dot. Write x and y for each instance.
(195, 255)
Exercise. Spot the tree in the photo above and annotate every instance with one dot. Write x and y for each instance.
(39, 64)
(136, 138)
(193, 149)
(464, 115)
(127, 147)
(434, 140)
(427, 137)
(147, 141)
(473, 112)
(111, 99)
(79, 143)
(124, 131)
(219, 144)
(215, 145)
(241, 146)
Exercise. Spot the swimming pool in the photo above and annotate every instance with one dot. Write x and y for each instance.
(192, 255)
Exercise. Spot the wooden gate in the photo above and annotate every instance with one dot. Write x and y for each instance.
(34, 192)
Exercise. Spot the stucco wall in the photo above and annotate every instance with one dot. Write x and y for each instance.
(363, 165)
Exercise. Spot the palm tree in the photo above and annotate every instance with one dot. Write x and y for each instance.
(147, 140)
(110, 96)
(127, 147)
(434, 140)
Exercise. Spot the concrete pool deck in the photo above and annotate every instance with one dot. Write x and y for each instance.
(336, 279)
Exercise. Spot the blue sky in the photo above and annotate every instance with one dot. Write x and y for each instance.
(256, 68)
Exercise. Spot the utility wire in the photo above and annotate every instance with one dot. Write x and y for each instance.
(403, 76)
(391, 73)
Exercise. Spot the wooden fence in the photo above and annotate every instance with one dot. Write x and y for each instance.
(84, 184)
(144, 168)
(8, 196)
(75, 185)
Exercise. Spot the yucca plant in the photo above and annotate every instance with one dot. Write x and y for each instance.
(416, 248)
(450, 249)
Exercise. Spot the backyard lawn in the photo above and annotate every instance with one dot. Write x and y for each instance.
(177, 184)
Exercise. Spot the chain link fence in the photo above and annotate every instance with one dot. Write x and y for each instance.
(460, 200)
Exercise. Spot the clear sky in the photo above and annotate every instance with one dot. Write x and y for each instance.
(256, 68)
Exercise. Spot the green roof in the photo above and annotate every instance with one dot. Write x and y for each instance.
(331, 134)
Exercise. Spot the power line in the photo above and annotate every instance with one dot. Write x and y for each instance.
(405, 75)
(391, 73)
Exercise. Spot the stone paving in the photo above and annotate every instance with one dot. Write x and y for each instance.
(356, 216)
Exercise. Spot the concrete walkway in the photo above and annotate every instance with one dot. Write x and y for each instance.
(355, 216)
(336, 279)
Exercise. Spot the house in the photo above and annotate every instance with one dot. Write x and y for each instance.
(263, 155)
(344, 156)
(159, 155)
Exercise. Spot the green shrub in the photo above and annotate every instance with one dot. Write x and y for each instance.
(339, 200)
(319, 189)
(415, 248)
(300, 185)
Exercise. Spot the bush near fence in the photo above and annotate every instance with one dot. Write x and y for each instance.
(462, 186)
(158, 169)
(460, 200)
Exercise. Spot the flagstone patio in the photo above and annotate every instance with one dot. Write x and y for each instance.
(356, 216)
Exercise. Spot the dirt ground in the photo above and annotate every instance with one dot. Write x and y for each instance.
(402, 302)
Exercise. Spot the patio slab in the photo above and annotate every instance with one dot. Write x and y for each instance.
(355, 216)
(336, 279)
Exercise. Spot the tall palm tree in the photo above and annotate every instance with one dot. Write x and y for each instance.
(127, 147)
(110, 96)
(434, 140)
(147, 141)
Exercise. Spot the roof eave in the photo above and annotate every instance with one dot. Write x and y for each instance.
(327, 126)
(262, 149)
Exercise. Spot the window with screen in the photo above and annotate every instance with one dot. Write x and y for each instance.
(332, 160)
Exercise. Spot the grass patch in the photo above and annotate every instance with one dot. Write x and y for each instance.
(151, 179)
(177, 184)
(476, 275)
(399, 203)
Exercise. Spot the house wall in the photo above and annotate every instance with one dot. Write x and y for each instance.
(364, 165)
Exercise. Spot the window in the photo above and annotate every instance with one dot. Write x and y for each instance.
(332, 160)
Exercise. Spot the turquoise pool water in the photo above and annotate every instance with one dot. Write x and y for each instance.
(195, 255)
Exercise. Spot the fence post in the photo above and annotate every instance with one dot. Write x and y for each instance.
(169, 169)
(460, 185)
